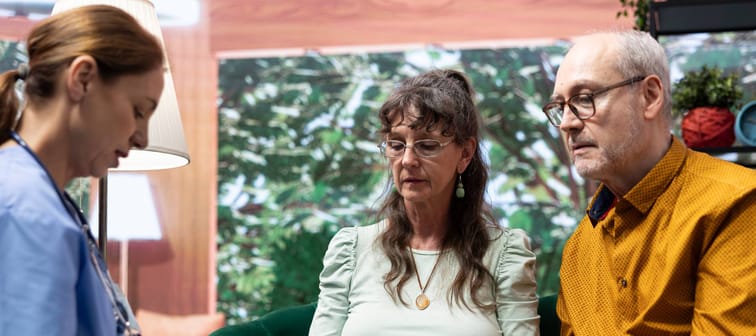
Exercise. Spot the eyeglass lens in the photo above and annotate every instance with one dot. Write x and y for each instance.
(422, 148)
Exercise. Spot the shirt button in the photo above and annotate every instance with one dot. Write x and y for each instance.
(623, 283)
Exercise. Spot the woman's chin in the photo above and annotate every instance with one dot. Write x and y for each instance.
(101, 170)
(412, 196)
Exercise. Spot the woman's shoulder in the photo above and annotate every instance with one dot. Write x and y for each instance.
(27, 193)
(371, 231)
(505, 236)
(345, 238)
(351, 234)
(32, 214)
(507, 244)
(345, 246)
(340, 252)
(18, 172)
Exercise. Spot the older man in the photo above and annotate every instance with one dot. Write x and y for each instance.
(667, 243)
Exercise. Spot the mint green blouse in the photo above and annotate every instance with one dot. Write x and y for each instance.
(353, 301)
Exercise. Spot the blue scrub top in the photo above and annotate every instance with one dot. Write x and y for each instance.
(48, 285)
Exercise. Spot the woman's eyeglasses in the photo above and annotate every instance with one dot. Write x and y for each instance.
(426, 148)
(581, 105)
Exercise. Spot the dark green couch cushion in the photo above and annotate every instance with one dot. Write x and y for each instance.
(550, 323)
(285, 321)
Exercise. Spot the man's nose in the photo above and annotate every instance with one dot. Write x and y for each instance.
(570, 121)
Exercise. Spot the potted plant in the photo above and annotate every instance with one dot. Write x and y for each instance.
(705, 98)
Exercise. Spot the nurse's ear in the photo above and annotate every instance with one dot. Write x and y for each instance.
(80, 74)
(468, 150)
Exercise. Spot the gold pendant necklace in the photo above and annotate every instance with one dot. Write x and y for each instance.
(422, 301)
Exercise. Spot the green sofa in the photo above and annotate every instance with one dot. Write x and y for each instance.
(285, 321)
(293, 321)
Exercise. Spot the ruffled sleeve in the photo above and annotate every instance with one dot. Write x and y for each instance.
(516, 300)
(335, 281)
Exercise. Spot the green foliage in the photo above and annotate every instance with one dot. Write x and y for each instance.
(639, 9)
(78, 189)
(11, 55)
(706, 87)
(297, 158)
(294, 261)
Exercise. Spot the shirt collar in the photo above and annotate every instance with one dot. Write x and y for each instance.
(602, 202)
(644, 194)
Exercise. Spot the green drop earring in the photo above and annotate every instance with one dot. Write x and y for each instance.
(460, 192)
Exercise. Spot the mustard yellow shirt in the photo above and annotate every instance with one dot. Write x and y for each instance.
(675, 256)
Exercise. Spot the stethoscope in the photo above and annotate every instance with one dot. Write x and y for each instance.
(120, 310)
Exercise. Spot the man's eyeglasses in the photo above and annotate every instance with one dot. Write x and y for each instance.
(581, 105)
(426, 148)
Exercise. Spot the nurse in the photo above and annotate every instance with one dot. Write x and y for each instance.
(93, 81)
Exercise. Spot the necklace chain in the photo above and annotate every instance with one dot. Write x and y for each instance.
(422, 300)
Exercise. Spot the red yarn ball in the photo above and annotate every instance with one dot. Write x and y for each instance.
(708, 127)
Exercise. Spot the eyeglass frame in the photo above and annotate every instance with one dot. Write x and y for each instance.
(590, 96)
(382, 147)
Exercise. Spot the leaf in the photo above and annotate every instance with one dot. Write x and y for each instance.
(521, 219)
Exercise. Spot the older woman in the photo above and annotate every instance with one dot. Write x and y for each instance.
(436, 263)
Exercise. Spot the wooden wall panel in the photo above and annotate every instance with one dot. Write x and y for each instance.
(311, 24)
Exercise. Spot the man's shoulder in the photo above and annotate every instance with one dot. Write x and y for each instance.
(713, 174)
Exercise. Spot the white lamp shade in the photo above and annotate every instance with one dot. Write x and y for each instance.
(167, 146)
(131, 209)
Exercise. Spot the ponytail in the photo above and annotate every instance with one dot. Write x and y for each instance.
(9, 102)
(461, 80)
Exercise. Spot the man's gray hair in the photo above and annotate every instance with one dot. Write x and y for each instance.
(639, 54)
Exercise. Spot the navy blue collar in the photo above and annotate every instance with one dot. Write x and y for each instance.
(602, 204)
